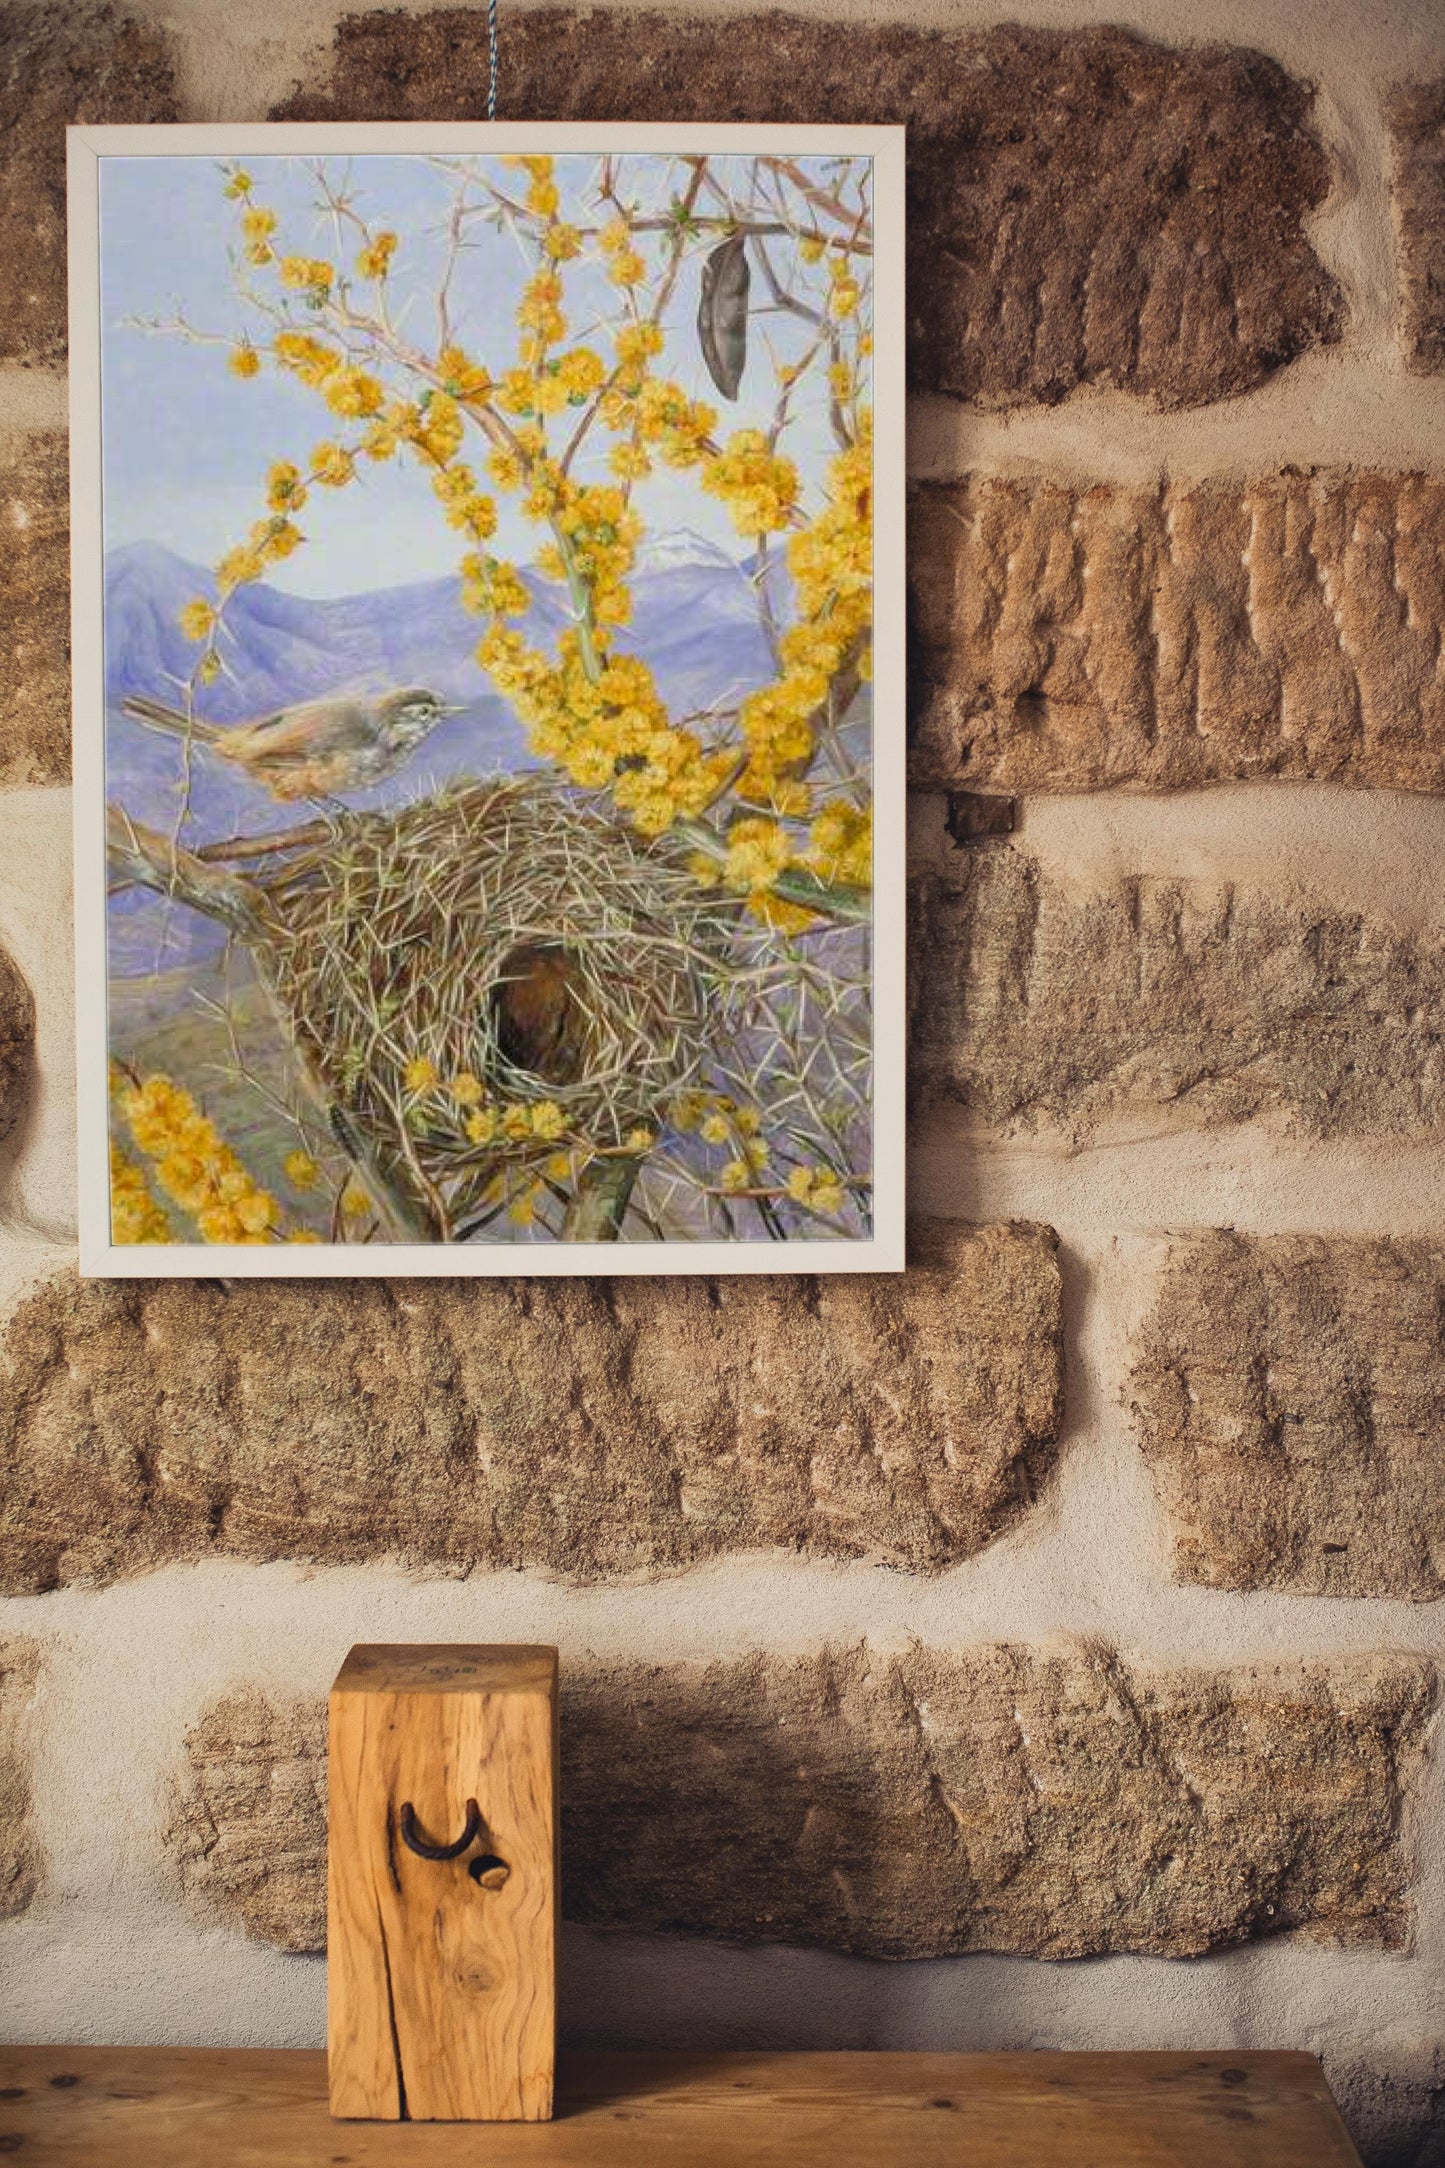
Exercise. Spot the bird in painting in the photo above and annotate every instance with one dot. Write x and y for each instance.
(317, 749)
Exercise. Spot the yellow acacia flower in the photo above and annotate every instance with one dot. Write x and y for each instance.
(841, 843)
(462, 378)
(505, 468)
(355, 1204)
(300, 1169)
(275, 538)
(629, 462)
(258, 224)
(306, 274)
(333, 465)
(758, 485)
(194, 1165)
(383, 439)
(306, 357)
(238, 566)
(239, 183)
(580, 372)
(757, 852)
(638, 342)
(466, 1089)
(481, 1127)
(198, 620)
(548, 1121)
(492, 588)
(134, 1214)
(374, 261)
(562, 243)
(846, 291)
(352, 392)
(543, 198)
(626, 268)
(817, 1187)
(810, 248)
(243, 360)
(435, 426)
(614, 237)
(420, 1074)
(523, 1208)
(285, 490)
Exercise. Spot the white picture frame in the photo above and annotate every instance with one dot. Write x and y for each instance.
(129, 466)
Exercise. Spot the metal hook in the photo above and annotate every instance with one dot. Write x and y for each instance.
(423, 1850)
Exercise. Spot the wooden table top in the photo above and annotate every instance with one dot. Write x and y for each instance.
(266, 2108)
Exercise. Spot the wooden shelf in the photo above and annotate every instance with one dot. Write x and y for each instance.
(266, 2108)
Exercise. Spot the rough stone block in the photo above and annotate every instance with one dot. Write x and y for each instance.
(1085, 207)
(1050, 1802)
(1076, 638)
(1045, 1006)
(60, 65)
(592, 1428)
(34, 608)
(248, 1817)
(1290, 1396)
(19, 1846)
(1417, 119)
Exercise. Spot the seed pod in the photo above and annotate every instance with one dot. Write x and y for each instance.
(722, 317)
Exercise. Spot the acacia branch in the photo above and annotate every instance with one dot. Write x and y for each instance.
(144, 858)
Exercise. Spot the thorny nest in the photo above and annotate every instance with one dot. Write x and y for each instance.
(507, 932)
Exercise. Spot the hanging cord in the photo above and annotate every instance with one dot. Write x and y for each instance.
(491, 59)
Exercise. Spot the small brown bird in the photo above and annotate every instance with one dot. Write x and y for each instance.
(540, 1016)
(319, 747)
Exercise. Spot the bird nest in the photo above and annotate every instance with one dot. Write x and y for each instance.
(499, 972)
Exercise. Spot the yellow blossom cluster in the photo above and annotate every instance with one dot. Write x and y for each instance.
(819, 1188)
(845, 292)
(492, 588)
(758, 486)
(462, 378)
(194, 1166)
(307, 274)
(466, 507)
(610, 730)
(374, 260)
(840, 844)
(463, 1099)
(134, 1214)
(831, 561)
(625, 266)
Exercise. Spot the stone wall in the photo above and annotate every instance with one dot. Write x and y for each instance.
(1076, 1596)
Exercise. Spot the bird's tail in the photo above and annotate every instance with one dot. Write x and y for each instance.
(170, 721)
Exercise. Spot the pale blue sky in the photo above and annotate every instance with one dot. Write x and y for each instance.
(186, 443)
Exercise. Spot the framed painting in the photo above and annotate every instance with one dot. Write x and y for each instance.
(488, 565)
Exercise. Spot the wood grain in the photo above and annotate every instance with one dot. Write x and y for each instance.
(174, 2107)
(441, 1988)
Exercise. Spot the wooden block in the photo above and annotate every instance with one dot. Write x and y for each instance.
(441, 1973)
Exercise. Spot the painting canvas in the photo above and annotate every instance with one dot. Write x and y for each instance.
(488, 561)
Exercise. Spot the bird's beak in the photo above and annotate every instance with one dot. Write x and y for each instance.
(454, 707)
